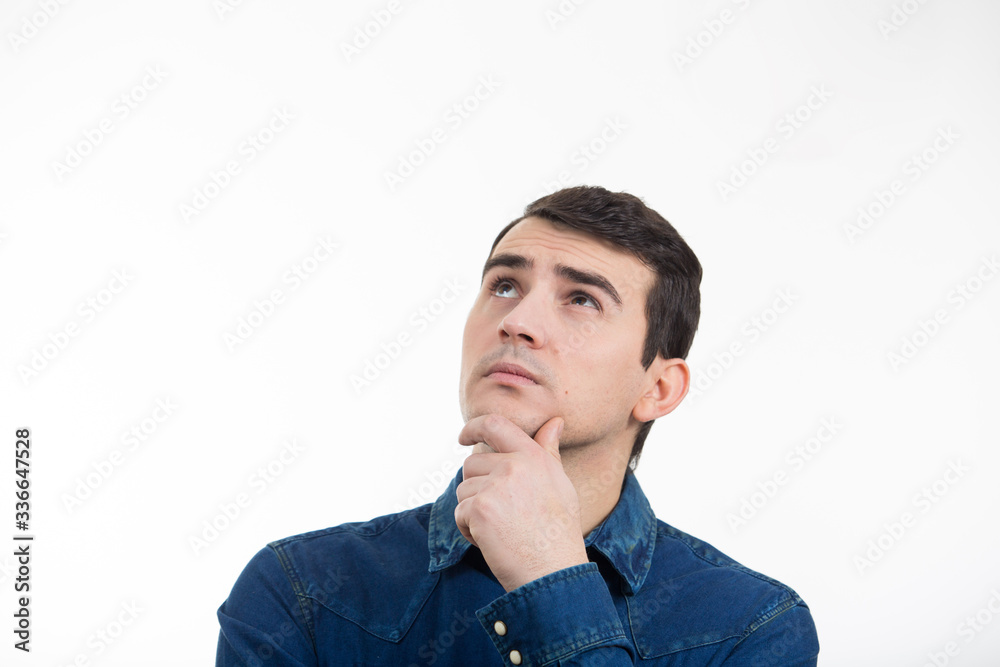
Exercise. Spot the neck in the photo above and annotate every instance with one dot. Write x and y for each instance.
(597, 474)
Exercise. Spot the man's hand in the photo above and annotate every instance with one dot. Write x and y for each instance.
(516, 503)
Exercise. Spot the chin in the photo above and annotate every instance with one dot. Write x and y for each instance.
(528, 421)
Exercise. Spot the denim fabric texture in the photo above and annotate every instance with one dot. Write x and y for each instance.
(408, 590)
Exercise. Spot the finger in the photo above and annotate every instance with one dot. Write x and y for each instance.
(468, 435)
(470, 488)
(462, 521)
(498, 432)
(548, 435)
(476, 465)
(483, 448)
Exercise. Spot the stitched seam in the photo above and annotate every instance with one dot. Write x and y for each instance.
(579, 646)
(373, 633)
(334, 530)
(790, 599)
(298, 589)
(779, 607)
(764, 622)
(737, 566)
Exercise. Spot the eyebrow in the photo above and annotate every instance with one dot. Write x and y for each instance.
(513, 261)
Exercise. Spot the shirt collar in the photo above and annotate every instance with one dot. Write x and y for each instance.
(626, 537)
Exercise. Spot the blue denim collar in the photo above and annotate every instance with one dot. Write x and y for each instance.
(626, 537)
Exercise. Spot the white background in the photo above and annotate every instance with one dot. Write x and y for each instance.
(559, 79)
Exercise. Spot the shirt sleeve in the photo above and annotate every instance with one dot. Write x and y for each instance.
(786, 640)
(262, 622)
(564, 618)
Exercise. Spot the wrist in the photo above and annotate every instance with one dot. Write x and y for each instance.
(550, 566)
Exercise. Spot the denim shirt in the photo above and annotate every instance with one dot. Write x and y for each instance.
(407, 589)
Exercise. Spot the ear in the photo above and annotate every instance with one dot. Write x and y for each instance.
(666, 385)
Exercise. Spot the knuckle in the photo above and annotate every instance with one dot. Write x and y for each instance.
(506, 469)
(485, 510)
(493, 423)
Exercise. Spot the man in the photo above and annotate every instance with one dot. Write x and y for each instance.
(543, 550)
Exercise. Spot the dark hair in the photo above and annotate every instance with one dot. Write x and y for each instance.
(673, 303)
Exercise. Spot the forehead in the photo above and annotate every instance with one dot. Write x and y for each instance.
(548, 243)
(544, 235)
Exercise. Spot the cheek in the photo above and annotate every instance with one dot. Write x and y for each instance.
(475, 343)
(473, 327)
(585, 337)
(607, 371)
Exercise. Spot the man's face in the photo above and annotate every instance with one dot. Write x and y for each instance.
(537, 310)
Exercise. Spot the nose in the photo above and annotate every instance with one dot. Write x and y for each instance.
(525, 323)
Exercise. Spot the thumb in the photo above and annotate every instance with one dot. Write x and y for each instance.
(548, 435)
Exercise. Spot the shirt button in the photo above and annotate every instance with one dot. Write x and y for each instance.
(515, 657)
(500, 628)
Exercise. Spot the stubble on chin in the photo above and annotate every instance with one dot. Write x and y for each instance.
(526, 422)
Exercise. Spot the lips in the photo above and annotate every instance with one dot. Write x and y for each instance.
(511, 369)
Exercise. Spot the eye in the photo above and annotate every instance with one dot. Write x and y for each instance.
(584, 295)
(501, 282)
(503, 287)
